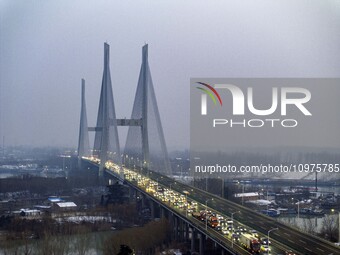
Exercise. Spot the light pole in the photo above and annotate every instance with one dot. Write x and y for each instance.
(178, 165)
(232, 228)
(339, 227)
(242, 193)
(206, 213)
(298, 208)
(267, 201)
(268, 238)
(339, 224)
(187, 204)
(170, 186)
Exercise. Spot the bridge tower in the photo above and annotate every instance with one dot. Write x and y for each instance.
(106, 143)
(145, 140)
(147, 143)
(83, 143)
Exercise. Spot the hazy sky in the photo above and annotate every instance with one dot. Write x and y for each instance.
(46, 47)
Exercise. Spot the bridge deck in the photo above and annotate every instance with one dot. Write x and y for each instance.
(285, 238)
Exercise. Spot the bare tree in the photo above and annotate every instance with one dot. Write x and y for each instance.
(309, 225)
(53, 245)
(82, 240)
(139, 239)
(27, 248)
(330, 227)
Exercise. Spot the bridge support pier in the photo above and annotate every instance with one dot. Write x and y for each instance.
(143, 198)
(176, 228)
(187, 231)
(172, 225)
(132, 194)
(182, 230)
(192, 239)
(152, 208)
(201, 239)
(162, 212)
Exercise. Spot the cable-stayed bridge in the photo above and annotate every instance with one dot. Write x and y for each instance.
(150, 176)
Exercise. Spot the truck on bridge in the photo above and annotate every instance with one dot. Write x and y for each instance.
(213, 222)
(250, 242)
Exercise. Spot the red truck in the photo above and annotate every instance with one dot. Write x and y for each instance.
(213, 221)
(250, 242)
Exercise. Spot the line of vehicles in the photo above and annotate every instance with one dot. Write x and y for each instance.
(249, 239)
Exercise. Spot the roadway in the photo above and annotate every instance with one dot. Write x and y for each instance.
(303, 243)
(285, 236)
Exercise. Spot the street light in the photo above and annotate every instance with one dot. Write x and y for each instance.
(332, 210)
(206, 213)
(232, 228)
(268, 238)
(298, 207)
(186, 201)
(187, 205)
(170, 186)
(339, 226)
(242, 193)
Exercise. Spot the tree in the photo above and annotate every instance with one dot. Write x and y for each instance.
(309, 225)
(125, 250)
(83, 239)
(330, 227)
(139, 238)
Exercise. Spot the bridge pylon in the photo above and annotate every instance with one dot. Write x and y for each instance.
(83, 142)
(106, 143)
(145, 143)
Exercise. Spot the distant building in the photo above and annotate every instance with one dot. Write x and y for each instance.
(65, 206)
(43, 208)
(249, 196)
(58, 204)
(52, 200)
(27, 212)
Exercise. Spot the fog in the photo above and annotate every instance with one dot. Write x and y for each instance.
(46, 47)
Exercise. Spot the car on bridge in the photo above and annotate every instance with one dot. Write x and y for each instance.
(254, 233)
(265, 248)
(242, 229)
(229, 222)
(264, 241)
(235, 236)
(225, 231)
